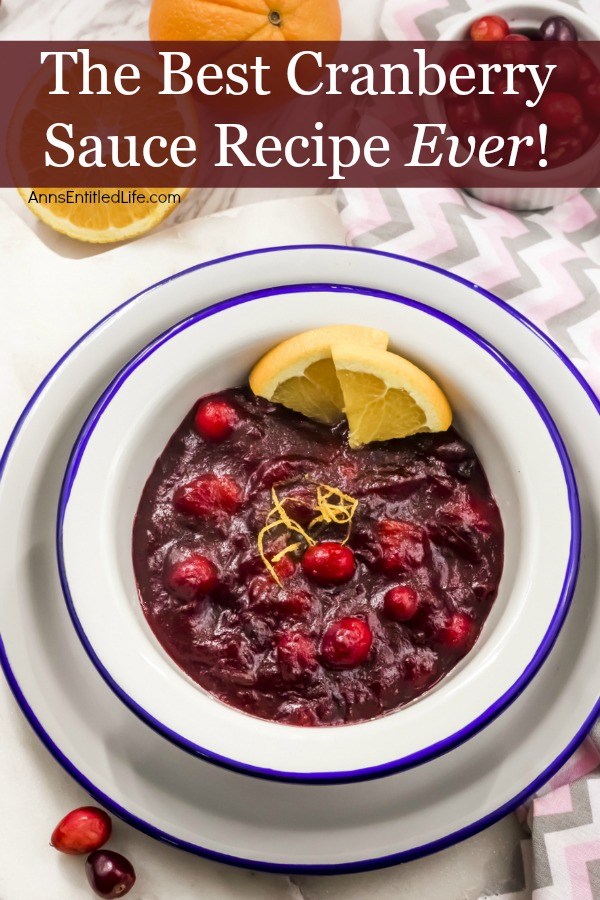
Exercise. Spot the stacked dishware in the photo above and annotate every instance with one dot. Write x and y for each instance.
(155, 747)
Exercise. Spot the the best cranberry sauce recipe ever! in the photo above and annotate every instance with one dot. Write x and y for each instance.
(307, 583)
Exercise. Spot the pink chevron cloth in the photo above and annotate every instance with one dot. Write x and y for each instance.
(547, 265)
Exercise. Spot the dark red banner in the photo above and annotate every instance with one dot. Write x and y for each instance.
(432, 114)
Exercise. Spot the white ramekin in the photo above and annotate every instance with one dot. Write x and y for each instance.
(525, 16)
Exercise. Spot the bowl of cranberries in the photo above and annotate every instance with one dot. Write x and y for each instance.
(276, 601)
(544, 34)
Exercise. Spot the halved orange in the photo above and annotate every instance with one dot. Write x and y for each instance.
(386, 396)
(346, 370)
(102, 223)
(90, 220)
(299, 372)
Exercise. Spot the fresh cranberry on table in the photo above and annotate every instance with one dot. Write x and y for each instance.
(208, 496)
(401, 603)
(489, 28)
(329, 563)
(296, 655)
(346, 643)
(82, 830)
(563, 149)
(192, 577)
(402, 546)
(557, 28)
(215, 420)
(456, 631)
(561, 111)
(110, 874)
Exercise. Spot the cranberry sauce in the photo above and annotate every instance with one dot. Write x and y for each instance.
(353, 629)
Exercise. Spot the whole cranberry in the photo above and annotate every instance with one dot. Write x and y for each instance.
(110, 875)
(208, 496)
(329, 563)
(564, 148)
(557, 28)
(456, 630)
(192, 577)
(346, 643)
(215, 420)
(591, 99)
(296, 655)
(515, 49)
(401, 603)
(402, 546)
(568, 66)
(489, 28)
(561, 111)
(82, 830)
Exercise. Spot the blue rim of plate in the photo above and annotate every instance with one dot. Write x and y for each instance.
(281, 868)
(424, 754)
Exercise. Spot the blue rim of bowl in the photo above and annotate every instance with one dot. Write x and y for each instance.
(135, 821)
(424, 754)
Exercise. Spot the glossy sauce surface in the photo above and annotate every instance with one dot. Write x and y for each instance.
(425, 522)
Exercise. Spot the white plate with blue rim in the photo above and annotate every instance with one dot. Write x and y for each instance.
(225, 815)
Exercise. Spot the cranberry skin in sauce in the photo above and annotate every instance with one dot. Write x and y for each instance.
(376, 624)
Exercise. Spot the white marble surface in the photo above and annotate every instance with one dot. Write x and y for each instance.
(39, 318)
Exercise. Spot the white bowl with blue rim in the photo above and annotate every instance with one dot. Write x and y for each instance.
(494, 408)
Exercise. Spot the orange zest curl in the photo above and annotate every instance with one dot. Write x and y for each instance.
(282, 518)
(336, 513)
